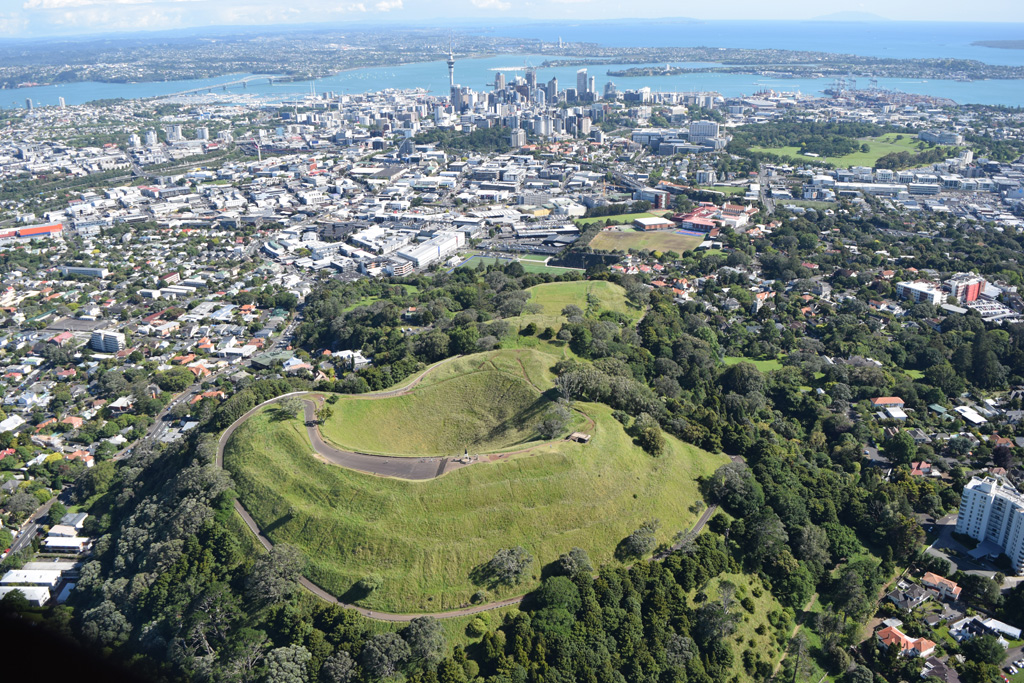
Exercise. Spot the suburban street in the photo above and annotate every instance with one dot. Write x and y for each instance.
(161, 425)
(31, 526)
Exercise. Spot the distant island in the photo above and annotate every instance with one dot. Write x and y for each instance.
(1001, 44)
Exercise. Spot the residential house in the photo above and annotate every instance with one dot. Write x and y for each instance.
(908, 597)
(968, 627)
(887, 402)
(935, 668)
(909, 647)
(945, 587)
(122, 405)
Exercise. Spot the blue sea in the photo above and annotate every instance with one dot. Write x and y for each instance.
(889, 39)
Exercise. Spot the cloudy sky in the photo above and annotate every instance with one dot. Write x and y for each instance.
(31, 18)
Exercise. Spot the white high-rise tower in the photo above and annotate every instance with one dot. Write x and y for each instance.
(451, 65)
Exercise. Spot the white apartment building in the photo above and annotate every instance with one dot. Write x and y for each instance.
(920, 292)
(992, 510)
(701, 131)
(107, 341)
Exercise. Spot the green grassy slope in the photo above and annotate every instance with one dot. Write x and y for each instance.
(483, 402)
(425, 538)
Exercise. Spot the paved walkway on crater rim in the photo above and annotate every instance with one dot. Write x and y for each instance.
(404, 468)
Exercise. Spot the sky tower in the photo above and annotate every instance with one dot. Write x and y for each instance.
(451, 65)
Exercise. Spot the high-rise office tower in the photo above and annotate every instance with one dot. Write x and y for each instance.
(581, 82)
(531, 78)
(553, 90)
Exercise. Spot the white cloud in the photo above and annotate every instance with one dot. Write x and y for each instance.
(569, 2)
(12, 24)
(357, 7)
(388, 5)
(492, 4)
(65, 4)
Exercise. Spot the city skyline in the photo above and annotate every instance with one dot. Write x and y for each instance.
(37, 18)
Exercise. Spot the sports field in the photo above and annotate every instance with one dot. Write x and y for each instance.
(425, 538)
(657, 240)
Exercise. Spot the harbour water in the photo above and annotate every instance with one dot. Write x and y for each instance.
(920, 40)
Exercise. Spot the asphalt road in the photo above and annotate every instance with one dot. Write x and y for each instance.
(944, 541)
(31, 526)
(381, 465)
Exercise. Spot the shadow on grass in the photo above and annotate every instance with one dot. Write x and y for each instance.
(354, 594)
(622, 552)
(279, 415)
(278, 523)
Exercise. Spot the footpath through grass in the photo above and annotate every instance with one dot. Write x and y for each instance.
(425, 538)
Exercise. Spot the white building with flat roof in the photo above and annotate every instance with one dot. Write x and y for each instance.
(436, 248)
(33, 577)
(107, 341)
(920, 292)
(66, 544)
(992, 510)
(37, 596)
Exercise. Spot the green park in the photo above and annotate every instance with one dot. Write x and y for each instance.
(404, 546)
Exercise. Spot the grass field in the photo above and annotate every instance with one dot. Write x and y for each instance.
(746, 636)
(425, 538)
(366, 301)
(531, 264)
(618, 219)
(552, 297)
(591, 296)
(659, 240)
(484, 402)
(762, 365)
(879, 147)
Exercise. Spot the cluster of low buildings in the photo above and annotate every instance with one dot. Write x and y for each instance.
(53, 575)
